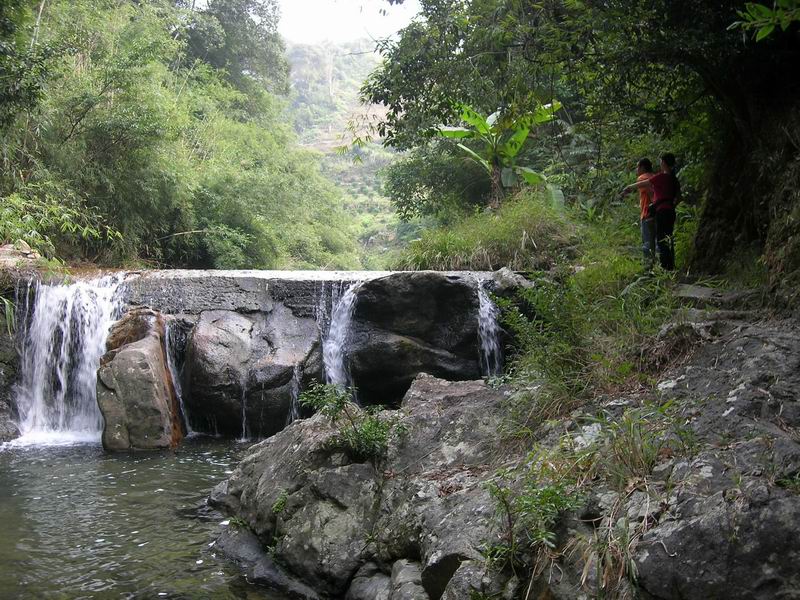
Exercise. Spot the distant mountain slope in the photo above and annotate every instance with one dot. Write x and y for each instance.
(325, 80)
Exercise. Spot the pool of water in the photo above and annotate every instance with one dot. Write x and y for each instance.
(76, 522)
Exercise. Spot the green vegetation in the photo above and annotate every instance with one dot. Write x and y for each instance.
(362, 433)
(153, 132)
(527, 233)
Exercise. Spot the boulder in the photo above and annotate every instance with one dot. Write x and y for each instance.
(333, 521)
(409, 323)
(370, 583)
(406, 583)
(242, 546)
(8, 374)
(239, 369)
(134, 388)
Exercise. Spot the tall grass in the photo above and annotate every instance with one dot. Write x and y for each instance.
(527, 233)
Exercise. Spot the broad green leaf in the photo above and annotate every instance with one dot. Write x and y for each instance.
(474, 118)
(514, 144)
(546, 112)
(764, 32)
(530, 176)
(477, 158)
(456, 132)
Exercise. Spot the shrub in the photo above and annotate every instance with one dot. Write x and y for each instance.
(362, 433)
(526, 234)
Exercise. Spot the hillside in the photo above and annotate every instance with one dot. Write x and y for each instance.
(325, 81)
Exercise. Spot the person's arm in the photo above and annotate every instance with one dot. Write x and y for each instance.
(639, 185)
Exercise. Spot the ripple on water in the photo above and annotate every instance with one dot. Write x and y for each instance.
(80, 523)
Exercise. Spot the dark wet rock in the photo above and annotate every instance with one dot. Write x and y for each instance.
(327, 516)
(134, 387)
(244, 547)
(239, 369)
(410, 323)
(8, 429)
(8, 373)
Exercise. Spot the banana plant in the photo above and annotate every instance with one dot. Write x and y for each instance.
(503, 139)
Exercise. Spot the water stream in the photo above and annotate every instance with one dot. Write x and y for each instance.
(63, 333)
(334, 347)
(171, 351)
(489, 333)
(80, 523)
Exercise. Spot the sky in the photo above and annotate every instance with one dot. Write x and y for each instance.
(313, 21)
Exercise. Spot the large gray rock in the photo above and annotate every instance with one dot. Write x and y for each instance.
(8, 374)
(406, 583)
(370, 583)
(239, 369)
(243, 547)
(134, 389)
(410, 323)
(328, 516)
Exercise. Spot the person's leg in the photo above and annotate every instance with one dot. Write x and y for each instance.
(665, 226)
(648, 241)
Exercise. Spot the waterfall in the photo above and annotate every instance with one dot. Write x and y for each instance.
(333, 347)
(294, 390)
(172, 347)
(245, 430)
(489, 332)
(63, 335)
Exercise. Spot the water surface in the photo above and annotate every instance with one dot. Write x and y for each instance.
(76, 522)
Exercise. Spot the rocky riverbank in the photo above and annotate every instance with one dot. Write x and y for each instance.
(685, 489)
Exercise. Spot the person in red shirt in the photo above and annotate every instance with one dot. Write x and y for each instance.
(644, 171)
(666, 190)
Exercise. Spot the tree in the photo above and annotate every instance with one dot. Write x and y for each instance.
(502, 138)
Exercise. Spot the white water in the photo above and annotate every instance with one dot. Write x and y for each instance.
(170, 352)
(334, 346)
(63, 337)
(294, 390)
(489, 332)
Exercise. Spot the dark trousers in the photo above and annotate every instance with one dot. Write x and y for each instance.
(665, 226)
(648, 241)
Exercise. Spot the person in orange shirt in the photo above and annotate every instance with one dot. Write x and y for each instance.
(644, 171)
(666, 190)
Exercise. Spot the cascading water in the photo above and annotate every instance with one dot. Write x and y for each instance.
(333, 348)
(63, 337)
(489, 332)
(171, 352)
(294, 390)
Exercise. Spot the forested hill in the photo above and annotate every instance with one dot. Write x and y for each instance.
(153, 133)
(325, 81)
(325, 106)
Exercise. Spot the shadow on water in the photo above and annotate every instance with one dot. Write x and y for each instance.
(80, 523)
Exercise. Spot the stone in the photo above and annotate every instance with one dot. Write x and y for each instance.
(406, 583)
(134, 387)
(9, 363)
(409, 323)
(370, 583)
(734, 550)
(239, 369)
(327, 516)
(243, 547)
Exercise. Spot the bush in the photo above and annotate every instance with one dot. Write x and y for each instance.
(527, 233)
(362, 433)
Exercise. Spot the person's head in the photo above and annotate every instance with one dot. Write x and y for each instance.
(644, 166)
(668, 162)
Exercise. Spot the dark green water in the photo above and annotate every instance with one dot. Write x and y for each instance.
(76, 522)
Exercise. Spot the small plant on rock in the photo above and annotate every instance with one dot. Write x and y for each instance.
(363, 433)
